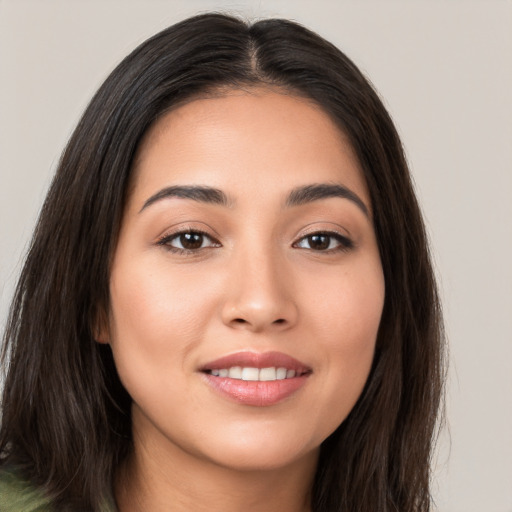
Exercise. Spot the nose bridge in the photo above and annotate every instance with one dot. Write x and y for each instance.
(259, 296)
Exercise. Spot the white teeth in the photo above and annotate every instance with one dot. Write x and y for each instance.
(250, 374)
(281, 373)
(235, 372)
(254, 374)
(268, 374)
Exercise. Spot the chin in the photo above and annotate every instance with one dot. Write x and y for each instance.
(260, 453)
(262, 460)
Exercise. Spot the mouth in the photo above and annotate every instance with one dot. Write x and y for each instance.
(256, 379)
(254, 374)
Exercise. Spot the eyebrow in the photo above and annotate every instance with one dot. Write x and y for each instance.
(318, 191)
(195, 192)
(298, 196)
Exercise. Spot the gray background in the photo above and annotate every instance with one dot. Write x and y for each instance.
(444, 69)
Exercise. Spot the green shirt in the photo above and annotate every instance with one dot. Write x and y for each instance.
(18, 495)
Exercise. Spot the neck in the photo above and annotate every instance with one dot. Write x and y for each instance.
(154, 481)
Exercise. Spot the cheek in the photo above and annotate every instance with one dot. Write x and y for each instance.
(346, 318)
(348, 306)
(157, 319)
(157, 305)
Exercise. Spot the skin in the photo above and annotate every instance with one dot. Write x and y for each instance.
(256, 284)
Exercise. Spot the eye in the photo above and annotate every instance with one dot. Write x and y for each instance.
(188, 241)
(324, 241)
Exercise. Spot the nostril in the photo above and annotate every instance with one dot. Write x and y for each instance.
(279, 321)
(239, 321)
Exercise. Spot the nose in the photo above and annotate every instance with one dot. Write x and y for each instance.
(259, 296)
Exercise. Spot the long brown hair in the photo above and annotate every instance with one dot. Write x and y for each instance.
(66, 417)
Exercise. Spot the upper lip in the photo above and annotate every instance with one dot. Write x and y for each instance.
(257, 360)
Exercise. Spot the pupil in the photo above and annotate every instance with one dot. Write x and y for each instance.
(320, 242)
(191, 240)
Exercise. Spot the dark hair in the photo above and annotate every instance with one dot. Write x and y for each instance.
(66, 417)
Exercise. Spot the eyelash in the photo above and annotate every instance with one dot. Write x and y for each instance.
(166, 240)
(344, 243)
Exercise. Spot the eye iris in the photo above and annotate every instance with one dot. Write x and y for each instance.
(191, 240)
(319, 242)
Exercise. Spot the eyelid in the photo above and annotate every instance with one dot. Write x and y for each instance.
(175, 234)
(189, 226)
(345, 242)
(323, 227)
(170, 235)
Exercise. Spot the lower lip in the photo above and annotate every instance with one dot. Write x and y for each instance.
(256, 393)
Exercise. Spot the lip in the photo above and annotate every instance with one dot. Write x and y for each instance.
(256, 393)
(257, 360)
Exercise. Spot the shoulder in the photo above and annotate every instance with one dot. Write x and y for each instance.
(18, 495)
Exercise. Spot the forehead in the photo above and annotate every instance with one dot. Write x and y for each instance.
(258, 137)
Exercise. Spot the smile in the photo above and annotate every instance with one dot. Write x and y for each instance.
(254, 379)
(254, 374)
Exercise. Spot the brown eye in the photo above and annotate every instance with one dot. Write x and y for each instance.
(191, 241)
(187, 241)
(324, 242)
(319, 242)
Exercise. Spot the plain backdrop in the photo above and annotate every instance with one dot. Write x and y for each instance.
(444, 69)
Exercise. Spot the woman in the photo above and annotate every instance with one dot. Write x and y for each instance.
(228, 302)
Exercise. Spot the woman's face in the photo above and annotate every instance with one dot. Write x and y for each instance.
(246, 287)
